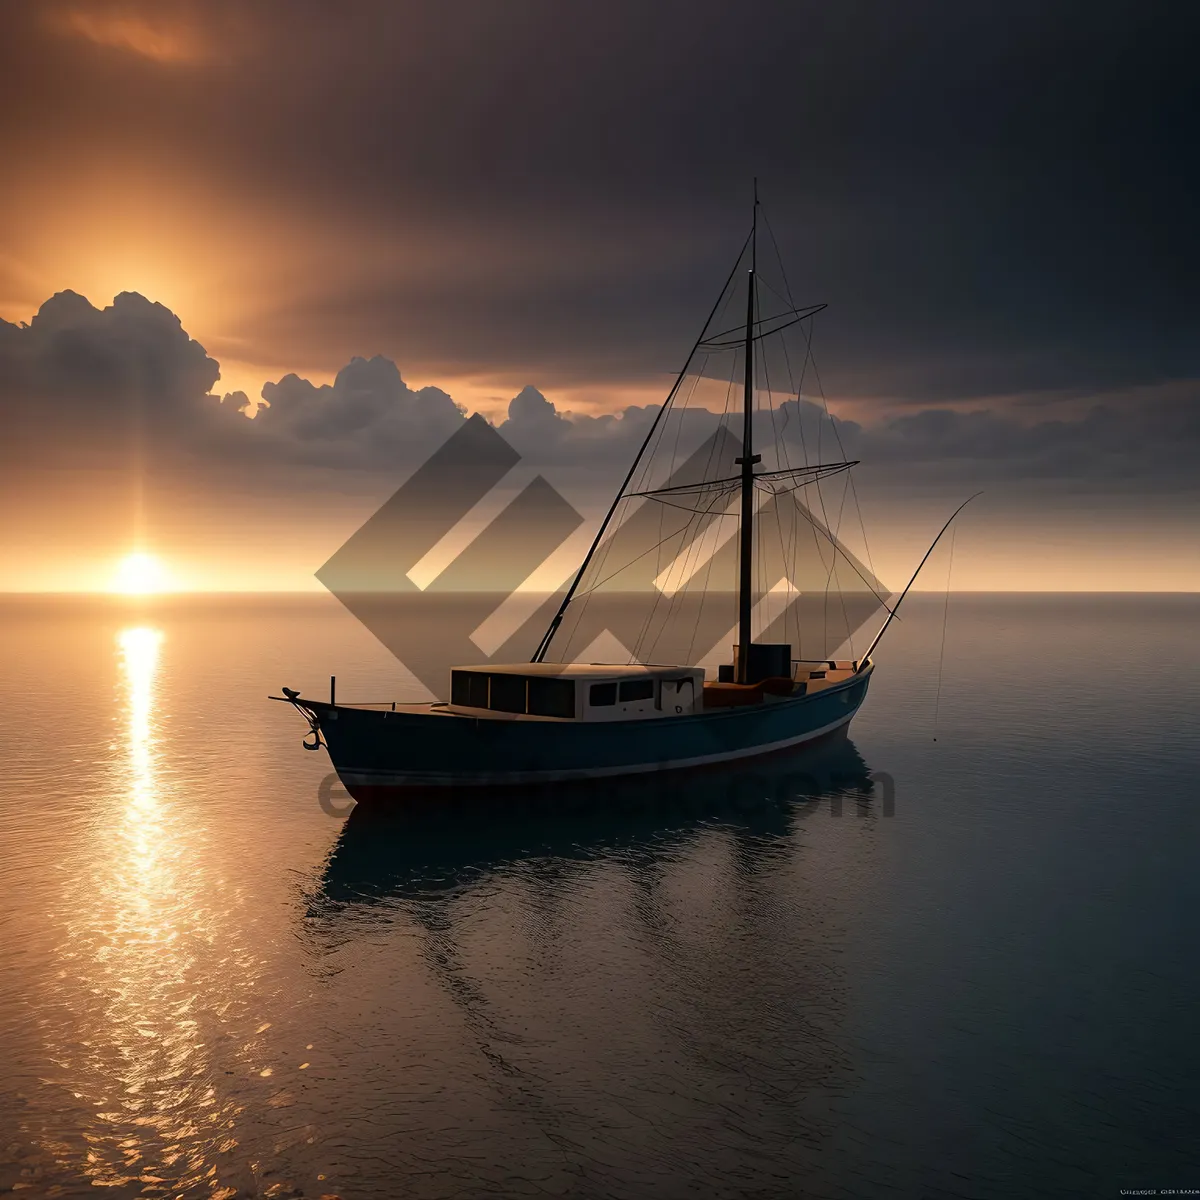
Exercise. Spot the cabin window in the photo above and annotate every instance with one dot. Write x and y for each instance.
(602, 695)
(551, 697)
(469, 689)
(507, 693)
(637, 689)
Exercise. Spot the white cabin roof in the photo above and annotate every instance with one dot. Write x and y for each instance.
(583, 670)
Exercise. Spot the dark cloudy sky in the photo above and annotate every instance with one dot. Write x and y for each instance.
(999, 203)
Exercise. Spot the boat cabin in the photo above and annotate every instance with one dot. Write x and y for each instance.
(576, 691)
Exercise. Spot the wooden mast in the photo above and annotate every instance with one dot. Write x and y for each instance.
(747, 462)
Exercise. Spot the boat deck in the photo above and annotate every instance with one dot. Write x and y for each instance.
(807, 678)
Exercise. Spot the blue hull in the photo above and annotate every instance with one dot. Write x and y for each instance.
(380, 754)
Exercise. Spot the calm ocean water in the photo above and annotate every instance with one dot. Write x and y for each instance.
(966, 967)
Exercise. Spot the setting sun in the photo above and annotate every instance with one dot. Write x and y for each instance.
(140, 574)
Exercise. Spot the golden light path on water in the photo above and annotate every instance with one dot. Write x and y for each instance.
(153, 971)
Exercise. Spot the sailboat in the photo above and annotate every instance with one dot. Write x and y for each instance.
(733, 503)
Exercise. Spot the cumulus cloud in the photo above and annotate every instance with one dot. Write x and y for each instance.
(86, 386)
(77, 381)
(368, 417)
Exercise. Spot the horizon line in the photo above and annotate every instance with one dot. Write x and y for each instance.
(167, 594)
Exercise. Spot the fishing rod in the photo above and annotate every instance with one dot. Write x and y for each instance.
(862, 662)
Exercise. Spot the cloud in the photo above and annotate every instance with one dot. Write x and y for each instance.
(158, 36)
(125, 385)
(994, 199)
(368, 417)
(78, 383)
(1148, 443)
(112, 432)
(103, 387)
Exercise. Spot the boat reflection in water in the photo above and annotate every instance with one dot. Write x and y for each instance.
(457, 838)
(641, 987)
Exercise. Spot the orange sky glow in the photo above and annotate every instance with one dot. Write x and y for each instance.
(270, 279)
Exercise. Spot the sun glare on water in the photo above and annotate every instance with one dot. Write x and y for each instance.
(139, 575)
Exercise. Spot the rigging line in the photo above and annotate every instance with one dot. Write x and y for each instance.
(764, 573)
(763, 479)
(717, 441)
(780, 448)
(809, 358)
(777, 431)
(820, 493)
(722, 423)
(596, 586)
(852, 489)
(680, 417)
(708, 567)
(761, 571)
(862, 662)
(842, 450)
(807, 483)
(606, 550)
(862, 526)
(782, 299)
(695, 549)
(577, 614)
(937, 699)
(556, 620)
(689, 508)
(793, 551)
(799, 391)
(766, 373)
(687, 530)
(818, 529)
(645, 627)
(786, 562)
(801, 314)
(718, 494)
(635, 649)
(694, 545)
(787, 287)
(789, 561)
(841, 593)
(758, 337)
(828, 579)
(777, 488)
(651, 448)
(781, 451)
(820, 424)
(677, 412)
(644, 631)
(793, 391)
(689, 570)
(783, 343)
(825, 402)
